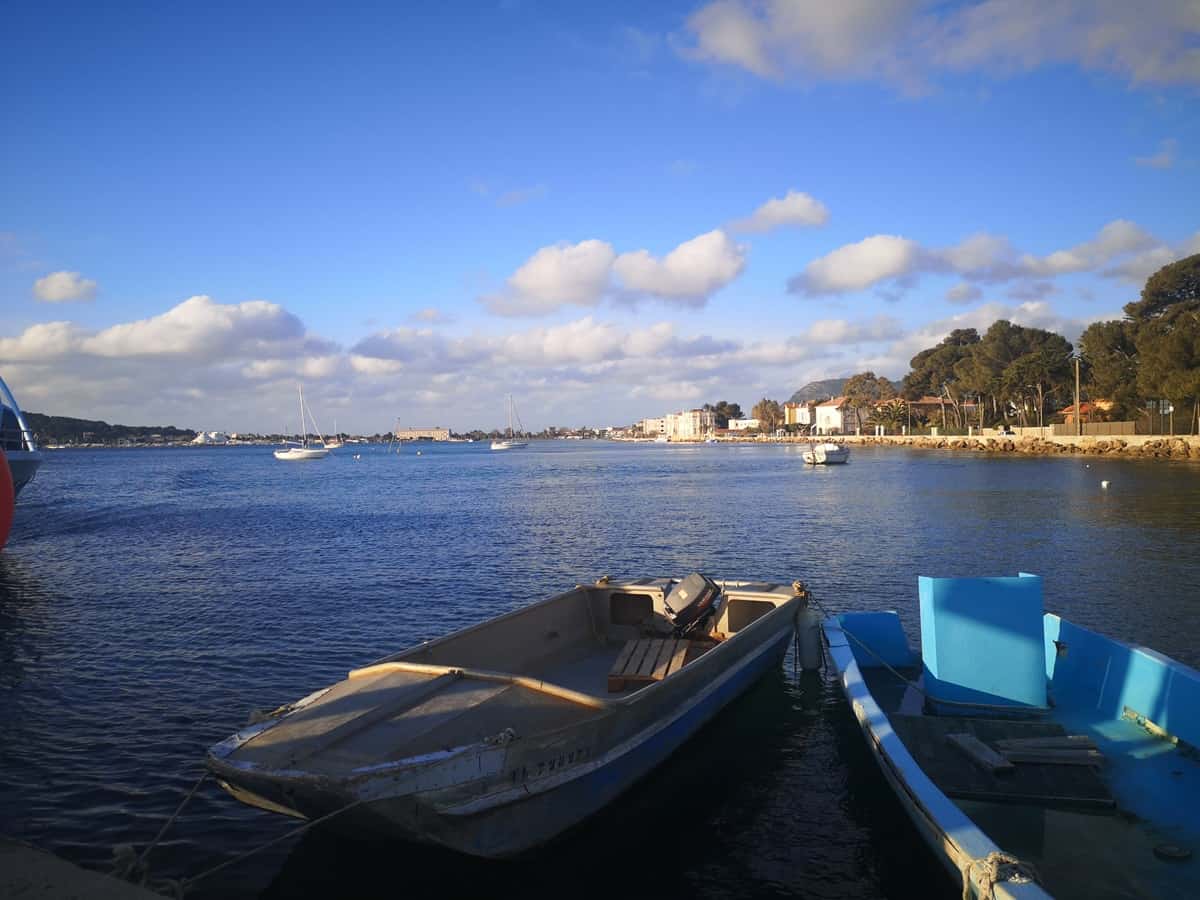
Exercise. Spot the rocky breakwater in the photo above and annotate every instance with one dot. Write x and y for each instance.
(1180, 448)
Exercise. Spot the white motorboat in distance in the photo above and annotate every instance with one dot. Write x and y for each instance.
(495, 739)
(16, 439)
(826, 453)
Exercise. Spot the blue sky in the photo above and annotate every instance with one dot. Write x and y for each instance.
(417, 211)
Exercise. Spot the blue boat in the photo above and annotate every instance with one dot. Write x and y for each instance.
(1035, 757)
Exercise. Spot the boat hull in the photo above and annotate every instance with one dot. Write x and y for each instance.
(827, 455)
(23, 464)
(504, 801)
(509, 445)
(955, 840)
(300, 454)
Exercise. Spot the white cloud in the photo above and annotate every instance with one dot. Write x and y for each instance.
(841, 331)
(963, 292)
(980, 258)
(1115, 239)
(64, 287)
(199, 327)
(690, 273)
(555, 276)
(1164, 158)
(853, 267)
(583, 274)
(46, 341)
(907, 43)
(1138, 268)
(792, 209)
(983, 256)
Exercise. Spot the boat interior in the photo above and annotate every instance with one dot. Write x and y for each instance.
(540, 668)
(1097, 785)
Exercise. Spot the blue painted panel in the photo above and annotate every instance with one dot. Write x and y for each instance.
(982, 640)
(1094, 672)
(882, 633)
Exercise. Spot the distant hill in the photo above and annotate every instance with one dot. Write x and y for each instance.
(823, 390)
(819, 390)
(65, 430)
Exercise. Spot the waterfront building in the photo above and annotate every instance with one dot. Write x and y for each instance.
(417, 434)
(736, 425)
(799, 413)
(653, 427)
(690, 424)
(211, 437)
(832, 417)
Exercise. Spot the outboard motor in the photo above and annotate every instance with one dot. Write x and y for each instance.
(692, 602)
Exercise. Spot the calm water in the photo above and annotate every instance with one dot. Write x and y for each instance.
(150, 599)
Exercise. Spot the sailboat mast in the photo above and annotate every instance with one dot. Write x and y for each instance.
(303, 430)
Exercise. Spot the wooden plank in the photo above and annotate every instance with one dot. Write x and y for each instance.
(980, 753)
(638, 657)
(664, 659)
(623, 658)
(615, 681)
(1080, 757)
(647, 668)
(1065, 742)
(677, 659)
(1031, 783)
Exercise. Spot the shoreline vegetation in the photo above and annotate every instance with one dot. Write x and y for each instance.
(1147, 446)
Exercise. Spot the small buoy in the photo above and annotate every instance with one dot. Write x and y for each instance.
(1104, 484)
(358, 456)
(419, 453)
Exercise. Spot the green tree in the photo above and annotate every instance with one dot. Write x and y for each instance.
(934, 370)
(769, 414)
(723, 411)
(1171, 291)
(1031, 379)
(1169, 361)
(864, 392)
(891, 413)
(1110, 351)
(1165, 324)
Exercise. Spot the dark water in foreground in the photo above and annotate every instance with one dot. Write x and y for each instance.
(150, 599)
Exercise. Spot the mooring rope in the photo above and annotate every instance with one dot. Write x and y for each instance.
(186, 883)
(132, 867)
(993, 869)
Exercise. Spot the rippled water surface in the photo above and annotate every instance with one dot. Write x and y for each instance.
(150, 599)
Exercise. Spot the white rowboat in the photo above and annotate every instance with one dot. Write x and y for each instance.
(495, 739)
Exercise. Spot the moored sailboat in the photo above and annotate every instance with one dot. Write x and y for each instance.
(511, 441)
(304, 449)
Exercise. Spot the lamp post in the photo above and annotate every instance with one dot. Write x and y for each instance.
(1078, 422)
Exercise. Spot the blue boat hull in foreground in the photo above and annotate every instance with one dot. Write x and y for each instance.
(1125, 825)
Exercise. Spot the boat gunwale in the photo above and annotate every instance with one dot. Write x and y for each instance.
(218, 754)
(357, 778)
(960, 842)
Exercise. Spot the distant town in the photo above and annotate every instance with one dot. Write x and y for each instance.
(1126, 376)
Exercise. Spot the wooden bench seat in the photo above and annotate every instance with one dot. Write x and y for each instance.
(643, 660)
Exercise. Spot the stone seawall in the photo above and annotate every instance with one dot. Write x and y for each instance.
(1131, 446)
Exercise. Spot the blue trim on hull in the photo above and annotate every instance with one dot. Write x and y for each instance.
(569, 805)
